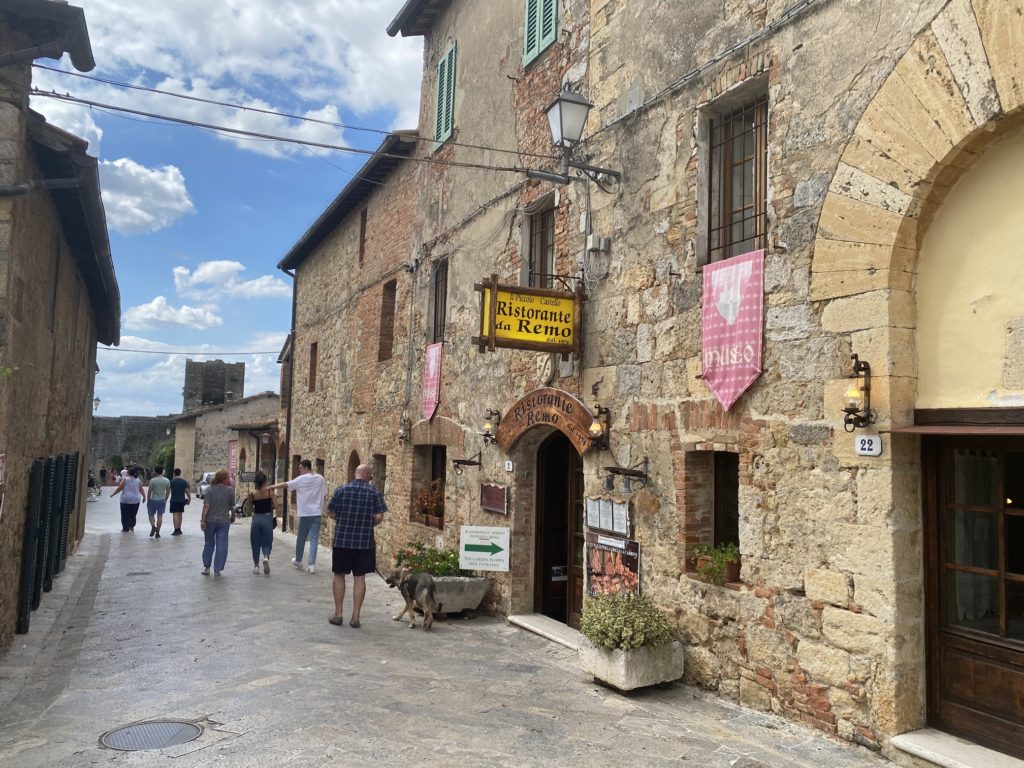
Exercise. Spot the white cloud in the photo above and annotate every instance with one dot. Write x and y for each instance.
(139, 199)
(309, 59)
(223, 277)
(158, 313)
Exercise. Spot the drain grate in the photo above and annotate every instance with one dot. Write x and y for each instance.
(153, 735)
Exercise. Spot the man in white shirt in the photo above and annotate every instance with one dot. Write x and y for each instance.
(310, 491)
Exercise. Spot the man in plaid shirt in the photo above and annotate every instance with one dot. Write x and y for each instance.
(355, 508)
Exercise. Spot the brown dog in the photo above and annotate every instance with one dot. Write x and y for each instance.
(418, 590)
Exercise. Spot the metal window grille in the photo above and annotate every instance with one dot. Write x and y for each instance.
(542, 248)
(440, 299)
(739, 181)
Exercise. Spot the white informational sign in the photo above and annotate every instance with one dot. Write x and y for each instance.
(868, 445)
(483, 548)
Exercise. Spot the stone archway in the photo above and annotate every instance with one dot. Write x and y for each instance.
(958, 89)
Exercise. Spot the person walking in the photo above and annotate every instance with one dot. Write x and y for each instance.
(264, 513)
(181, 495)
(130, 489)
(156, 500)
(215, 522)
(355, 508)
(310, 490)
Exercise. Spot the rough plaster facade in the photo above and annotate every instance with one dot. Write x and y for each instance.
(827, 624)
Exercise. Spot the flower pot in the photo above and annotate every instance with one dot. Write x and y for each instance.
(732, 571)
(435, 521)
(635, 668)
(460, 593)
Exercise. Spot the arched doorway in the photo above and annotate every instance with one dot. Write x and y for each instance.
(558, 580)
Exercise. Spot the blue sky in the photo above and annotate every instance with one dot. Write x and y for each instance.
(198, 221)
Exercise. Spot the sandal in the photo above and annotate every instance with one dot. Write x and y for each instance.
(354, 623)
(337, 621)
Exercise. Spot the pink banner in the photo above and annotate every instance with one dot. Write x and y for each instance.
(432, 379)
(733, 321)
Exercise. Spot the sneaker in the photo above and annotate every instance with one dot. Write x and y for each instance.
(255, 569)
(206, 571)
(311, 569)
(266, 565)
(216, 573)
(297, 563)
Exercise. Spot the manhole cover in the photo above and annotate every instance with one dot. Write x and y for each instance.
(153, 735)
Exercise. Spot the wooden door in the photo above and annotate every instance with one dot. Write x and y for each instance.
(974, 498)
(559, 549)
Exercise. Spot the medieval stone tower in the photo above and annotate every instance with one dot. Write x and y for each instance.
(212, 383)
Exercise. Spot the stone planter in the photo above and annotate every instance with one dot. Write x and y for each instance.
(460, 593)
(635, 668)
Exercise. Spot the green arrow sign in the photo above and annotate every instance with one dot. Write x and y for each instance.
(490, 548)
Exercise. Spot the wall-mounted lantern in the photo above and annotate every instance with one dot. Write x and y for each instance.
(638, 473)
(491, 421)
(404, 429)
(567, 116)
(96, 403)
(857, 411)
(473, 461)
(600, 427)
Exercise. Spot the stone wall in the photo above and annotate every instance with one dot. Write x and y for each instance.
(47, 339)
(134, 438)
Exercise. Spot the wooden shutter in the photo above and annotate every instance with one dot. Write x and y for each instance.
(531, 42)
(444, 119)
(539, 27)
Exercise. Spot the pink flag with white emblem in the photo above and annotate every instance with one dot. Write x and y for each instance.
(432, 379)
(733, 321)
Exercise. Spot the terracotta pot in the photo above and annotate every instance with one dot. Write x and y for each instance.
(732, 571)
(435, 521)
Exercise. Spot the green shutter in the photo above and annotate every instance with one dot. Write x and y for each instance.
(531, 45)
(444, 115)
(539, 28)
(548, 25)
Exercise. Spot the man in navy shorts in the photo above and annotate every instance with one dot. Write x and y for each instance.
(181, 495)
(355, 508)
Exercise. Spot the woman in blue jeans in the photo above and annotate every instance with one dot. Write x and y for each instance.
(261, 533)
(216, 521)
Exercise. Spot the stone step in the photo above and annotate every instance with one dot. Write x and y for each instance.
(930, 747)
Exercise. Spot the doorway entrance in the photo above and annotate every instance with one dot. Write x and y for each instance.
(558, 579)
(974, 504)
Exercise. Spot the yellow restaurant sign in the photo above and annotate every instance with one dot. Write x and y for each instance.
(528, 318)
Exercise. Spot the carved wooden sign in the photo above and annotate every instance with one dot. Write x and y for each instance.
(547, 407)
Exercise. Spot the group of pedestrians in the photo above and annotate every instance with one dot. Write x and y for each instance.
(356, 508)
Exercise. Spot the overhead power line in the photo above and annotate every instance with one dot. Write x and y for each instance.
(102, 348)
(66, 97)
(275, 113)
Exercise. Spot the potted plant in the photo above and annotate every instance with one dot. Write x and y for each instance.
(453, 591)
(428, 504)
(628, 642)
(718, 564)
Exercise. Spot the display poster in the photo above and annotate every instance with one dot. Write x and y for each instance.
(613, 565)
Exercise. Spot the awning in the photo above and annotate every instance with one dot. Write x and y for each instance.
(999, 430)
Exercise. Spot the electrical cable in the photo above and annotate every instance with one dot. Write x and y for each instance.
(285, 139)
(102, 348)
(275, 113)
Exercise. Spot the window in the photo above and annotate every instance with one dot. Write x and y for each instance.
(539, 30)
(362, 235)
(387, 321)
(427, 507)
(312, 366)
(439, 300)
(738, 184)
(727, 498)
(444, 115)
(541, 256)
(380, 471)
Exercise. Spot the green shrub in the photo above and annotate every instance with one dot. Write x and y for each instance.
(624, 621)
(436, 562)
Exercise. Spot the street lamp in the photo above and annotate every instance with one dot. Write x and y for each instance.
(96, 403)
(567, 117)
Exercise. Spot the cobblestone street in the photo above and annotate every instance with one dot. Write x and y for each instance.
(133, 632)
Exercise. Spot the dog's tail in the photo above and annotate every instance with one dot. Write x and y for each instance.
(433, 600)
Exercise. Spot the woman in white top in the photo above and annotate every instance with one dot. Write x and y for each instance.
(130, 498)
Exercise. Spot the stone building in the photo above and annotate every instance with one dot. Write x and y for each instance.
(132, 438)
(211, 382)
(58, 298)
(869, 157)
(239, 436)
